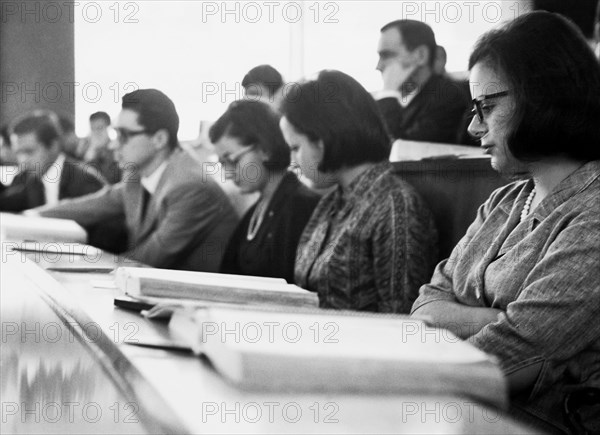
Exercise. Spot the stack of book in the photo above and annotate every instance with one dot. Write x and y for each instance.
(38, 229)
(286, 350)
(156, 285)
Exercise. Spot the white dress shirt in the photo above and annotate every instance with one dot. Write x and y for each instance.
(51, 180)
(150, 182)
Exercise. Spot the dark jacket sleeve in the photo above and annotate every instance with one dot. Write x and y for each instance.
(434, 115)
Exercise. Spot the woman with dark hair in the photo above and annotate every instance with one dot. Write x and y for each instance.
(254, 154)
(371, 242)
(524, 282)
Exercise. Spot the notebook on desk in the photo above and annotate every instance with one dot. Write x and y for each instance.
(326, 351)
(38, 229)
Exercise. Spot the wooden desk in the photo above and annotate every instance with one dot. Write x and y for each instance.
(454, 189)
(173, 392)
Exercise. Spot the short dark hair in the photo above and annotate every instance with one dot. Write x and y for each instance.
(414, 34)
(101, 116)
(155, 112)
(336, 109)
(264, 75)
(254, 123)
(580, 12)
(43, 123)
(554, 78)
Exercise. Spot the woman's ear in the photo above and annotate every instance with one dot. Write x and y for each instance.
(263, 155)
(320, 147)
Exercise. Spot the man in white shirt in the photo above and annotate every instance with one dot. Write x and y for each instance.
(177, 216)
(45, 175)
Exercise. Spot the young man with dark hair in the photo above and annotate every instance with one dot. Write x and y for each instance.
(177, 217)
(46, 174)
(95, 149)
(263, 83)
(416, 102)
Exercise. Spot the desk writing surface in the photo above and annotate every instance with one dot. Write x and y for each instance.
(50, 382)
(202, 402)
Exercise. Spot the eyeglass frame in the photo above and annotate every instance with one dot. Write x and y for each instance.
(237, 156)
(122, 139)
(478, 110)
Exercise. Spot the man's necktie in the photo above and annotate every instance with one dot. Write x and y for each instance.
(146, 197)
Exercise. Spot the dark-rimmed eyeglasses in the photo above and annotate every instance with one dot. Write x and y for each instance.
(123, 135)
(233, 158)
(478, 103)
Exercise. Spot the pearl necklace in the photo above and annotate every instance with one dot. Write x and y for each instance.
(527, 206)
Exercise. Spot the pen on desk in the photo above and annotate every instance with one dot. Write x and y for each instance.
(81, 269)
(160, 345)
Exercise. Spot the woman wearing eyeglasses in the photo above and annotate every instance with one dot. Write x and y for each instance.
(524, 282)
(371, 242)
(255, 156)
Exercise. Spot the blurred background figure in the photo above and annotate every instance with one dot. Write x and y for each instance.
(264, 83)
(418, 101)
(95, 149)
(69, 141)
(7, 156)
(46, 174)
(439, 62)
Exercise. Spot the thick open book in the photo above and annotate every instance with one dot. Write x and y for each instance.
(216, 287)
(39, 229)
(332, 351)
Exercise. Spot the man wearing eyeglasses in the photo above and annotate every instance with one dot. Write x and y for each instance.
(177, 216)
(417, 103)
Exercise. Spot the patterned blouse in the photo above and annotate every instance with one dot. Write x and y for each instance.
(544, 274)
(368, 248)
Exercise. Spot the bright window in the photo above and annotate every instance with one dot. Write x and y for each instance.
(197, 52)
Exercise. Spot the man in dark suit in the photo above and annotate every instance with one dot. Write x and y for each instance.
(46, 175)
(416, 102)
(177, 216)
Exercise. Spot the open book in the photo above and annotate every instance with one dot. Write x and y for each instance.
(39, 229)
(216, 287)
(336, 351)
